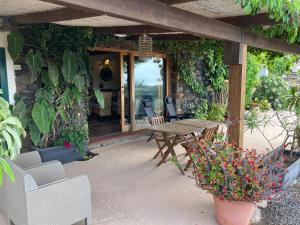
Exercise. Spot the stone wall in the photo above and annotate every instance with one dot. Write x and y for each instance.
(186, 99)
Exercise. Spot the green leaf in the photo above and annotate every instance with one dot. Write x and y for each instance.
(82, 66)
(15, 43)
(43, 115)
(45, 78)
(7, 169)
(16, 137)
(53, 73)
(35, 133)
(35, 63)
(7, 138)
(70, 66)
(21, 111)
(100, 97)
(79, 82)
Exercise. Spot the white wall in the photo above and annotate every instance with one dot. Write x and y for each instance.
(10, 68)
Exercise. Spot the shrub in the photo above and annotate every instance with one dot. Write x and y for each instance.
(234, 174)
(217, 112)
(274, 89)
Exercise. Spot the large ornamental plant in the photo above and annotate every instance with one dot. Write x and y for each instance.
(62, 80)
(11, 131)
(233, 174)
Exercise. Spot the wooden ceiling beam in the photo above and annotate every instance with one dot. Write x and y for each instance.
(52, 16)
(249, 20)
(174, 2)
(138, 29)
(155, 13)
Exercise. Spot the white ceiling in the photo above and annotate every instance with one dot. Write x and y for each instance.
(98, 21)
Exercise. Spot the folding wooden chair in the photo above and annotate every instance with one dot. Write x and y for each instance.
(159, 139)
(207, 135)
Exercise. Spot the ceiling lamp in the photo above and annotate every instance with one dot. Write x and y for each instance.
(145, 46)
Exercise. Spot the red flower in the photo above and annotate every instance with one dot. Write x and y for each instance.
(67, 144)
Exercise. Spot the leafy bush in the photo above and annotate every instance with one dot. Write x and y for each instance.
(274, 89)
(10, 142)
(202, 110)
(234, 174)
(252, 79)
(217, 112)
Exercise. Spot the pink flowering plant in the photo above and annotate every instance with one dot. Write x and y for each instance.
(234, 174)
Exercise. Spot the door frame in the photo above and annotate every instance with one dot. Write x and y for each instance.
(132, 54)
(3, 74)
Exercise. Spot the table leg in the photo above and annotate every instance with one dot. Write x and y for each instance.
(170, 143)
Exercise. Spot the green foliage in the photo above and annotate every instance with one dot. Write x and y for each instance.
(281, 65)
(186, 54)
(54, 39)
(202, 110)
(70, 66)
(274, 89)
(252, 79)
(217, 112)
(285, 11)
(63, 77)
(11, 131)
(35, 62)
(43, 114)
(75, 135)
(53, 73)
(15, 44)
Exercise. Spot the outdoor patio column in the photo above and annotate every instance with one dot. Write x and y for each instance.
(235, 55)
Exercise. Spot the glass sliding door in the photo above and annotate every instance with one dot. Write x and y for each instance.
(149, 82)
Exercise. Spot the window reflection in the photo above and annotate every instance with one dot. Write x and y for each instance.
(149, 84)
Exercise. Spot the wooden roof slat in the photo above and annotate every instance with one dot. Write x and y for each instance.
(159, 14)
(52, 16)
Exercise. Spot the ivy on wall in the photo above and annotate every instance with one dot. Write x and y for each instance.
(185, 55)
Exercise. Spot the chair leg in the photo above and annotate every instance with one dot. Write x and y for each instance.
(187, 165)
(151, 137)
(87, 221)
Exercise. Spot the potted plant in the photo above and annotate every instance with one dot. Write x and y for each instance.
(236, 178)
(10, 142)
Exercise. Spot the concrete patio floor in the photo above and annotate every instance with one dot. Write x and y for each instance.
(128, 188)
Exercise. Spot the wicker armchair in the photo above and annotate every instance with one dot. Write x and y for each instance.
(43, 195)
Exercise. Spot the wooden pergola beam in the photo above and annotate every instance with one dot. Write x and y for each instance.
(174, 2)
(138, 29)
(249, 20)
(155, 13)
(52, 16)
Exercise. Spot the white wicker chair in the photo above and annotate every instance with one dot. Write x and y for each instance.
(42, 195)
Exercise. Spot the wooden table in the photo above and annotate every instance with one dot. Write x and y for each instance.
(175, 133)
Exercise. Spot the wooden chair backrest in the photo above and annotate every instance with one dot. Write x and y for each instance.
(157, 120)
(209, 133)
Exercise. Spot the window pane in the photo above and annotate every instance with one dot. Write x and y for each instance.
(149, 84)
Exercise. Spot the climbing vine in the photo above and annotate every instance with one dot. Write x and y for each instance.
(185, 56)
(287, 12)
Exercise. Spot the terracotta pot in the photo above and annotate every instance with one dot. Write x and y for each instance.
(233, 213)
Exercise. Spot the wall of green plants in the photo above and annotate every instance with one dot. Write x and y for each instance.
(185, 55)
(62, 76)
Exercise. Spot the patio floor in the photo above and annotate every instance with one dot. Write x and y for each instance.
(128, 188)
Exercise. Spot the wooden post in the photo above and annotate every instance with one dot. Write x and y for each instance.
(168, 78)
(122, 103)
(132, 92)
(235, 55)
